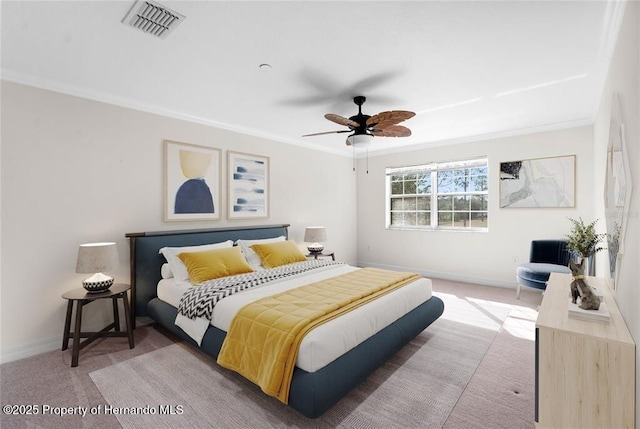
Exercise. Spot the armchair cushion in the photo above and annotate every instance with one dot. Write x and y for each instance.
(536, 274)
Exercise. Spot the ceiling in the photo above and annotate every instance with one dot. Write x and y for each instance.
(468, 69)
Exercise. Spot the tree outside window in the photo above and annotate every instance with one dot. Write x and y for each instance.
(452, 195)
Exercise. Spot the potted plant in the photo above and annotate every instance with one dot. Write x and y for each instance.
(584, 242)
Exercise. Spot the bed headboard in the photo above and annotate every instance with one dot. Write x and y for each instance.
(145, 261)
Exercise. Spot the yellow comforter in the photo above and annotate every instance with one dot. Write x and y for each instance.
(263, 340)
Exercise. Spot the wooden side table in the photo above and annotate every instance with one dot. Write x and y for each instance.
(324, 253)
(82, 297)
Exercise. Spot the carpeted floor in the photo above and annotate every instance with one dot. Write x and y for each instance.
(472, 368)
(418, 387)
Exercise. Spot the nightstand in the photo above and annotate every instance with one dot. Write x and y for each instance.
(81, 297)
(322, 254)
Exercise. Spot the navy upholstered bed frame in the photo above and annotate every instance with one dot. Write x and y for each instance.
(311, 393)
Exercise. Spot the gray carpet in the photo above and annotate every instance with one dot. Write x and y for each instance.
(48, 379)
(417, 388)
(489, 399)
(503, 384)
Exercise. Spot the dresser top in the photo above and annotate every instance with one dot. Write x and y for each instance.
(554, 311)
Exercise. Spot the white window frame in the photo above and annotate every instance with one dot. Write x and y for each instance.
(433, 169)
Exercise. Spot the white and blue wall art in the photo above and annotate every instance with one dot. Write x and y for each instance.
(538, 183)
(248, 185)
(192, 182)
(617, 192)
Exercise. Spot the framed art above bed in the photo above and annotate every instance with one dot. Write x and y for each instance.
(248, 185)
(192, 180)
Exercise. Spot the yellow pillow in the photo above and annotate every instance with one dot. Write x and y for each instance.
(213, 264)
(280, 253)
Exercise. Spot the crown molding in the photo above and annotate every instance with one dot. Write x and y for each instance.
(75, 91)
(72, 90)
(484, 137)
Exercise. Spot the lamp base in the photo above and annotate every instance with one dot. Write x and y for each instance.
(315, 248)
(97, 283)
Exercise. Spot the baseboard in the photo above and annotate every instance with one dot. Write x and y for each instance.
(9, 354)
(457, 277)
(21, 351)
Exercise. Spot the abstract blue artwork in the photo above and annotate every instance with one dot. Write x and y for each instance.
(248, 185)
(192, 182)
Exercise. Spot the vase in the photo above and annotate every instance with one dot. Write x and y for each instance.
(590, 264)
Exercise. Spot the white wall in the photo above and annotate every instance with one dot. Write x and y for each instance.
(478, 257)
(624, 79)
(487, 258)
(76, 171)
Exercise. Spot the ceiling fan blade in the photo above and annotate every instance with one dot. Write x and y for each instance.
(392, 131)
(382, 125)
(327, 132)
(341, 120)
(306, 101)
(390, 117)
(367, 84)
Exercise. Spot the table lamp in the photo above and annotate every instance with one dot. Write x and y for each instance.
(95, 258)
(315, 235)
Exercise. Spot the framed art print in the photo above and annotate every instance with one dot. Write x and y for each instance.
(248, 182)
(617, 190)
(538, 183)
(192, 182)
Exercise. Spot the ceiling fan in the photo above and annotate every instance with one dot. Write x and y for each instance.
(365, 127)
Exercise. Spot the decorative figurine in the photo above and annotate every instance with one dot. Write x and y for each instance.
(579, 287)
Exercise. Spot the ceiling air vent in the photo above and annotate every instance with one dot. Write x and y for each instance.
(153, 18)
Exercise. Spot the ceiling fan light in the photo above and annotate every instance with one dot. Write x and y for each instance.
(359, 140)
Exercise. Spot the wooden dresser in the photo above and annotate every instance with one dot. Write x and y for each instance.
(585, 371)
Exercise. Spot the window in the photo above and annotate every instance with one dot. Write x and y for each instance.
(451, 195)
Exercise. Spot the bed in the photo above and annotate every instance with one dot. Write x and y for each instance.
(312, 392)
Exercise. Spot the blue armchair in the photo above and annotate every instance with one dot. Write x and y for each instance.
(545, 257)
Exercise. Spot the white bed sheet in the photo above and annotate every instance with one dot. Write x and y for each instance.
(329, 341)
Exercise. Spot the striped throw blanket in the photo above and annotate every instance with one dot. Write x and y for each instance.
(200, 300)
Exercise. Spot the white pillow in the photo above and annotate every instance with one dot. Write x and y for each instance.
(251, 256)
(165, 271)
(177, 267)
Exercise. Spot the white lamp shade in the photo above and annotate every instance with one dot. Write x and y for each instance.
(359, 140)
(315, 234)
(97, 257)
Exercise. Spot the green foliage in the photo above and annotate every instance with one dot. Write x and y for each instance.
(583, 239)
